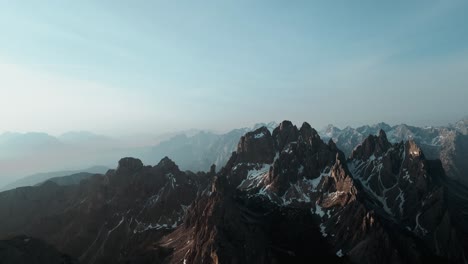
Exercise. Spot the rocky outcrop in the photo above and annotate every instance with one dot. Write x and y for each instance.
(373, 145)
(256, 147)
(285, 133)
(112, 218)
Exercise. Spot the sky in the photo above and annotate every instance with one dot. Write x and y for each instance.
(121, 67)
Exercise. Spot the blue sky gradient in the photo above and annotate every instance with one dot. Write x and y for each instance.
(119, 67)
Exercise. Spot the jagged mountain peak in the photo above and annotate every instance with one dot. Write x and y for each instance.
(270, 125)
(307, 128)
(285, 133)
(372, 146)
(413, 149)
(318, 179)
(299, 155)
(248, 194)
(256, 147)
(309, 134)
(332, 144)
(129, 164)
(167, 164)
(383, 135)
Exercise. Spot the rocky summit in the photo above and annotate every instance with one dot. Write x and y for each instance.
(284, 196)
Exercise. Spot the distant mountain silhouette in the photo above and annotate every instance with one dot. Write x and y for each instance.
(70, 179)
(28, 153)
(60, 177)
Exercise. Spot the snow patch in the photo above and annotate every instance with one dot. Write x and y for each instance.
(171, 179)
(255, 177)
(297, 192)
(401, 197)
(121, 221)
(259, 135)
(322, 230)
(339, 253)
(357, 167)
(315, 182)
(418, 228)
(255, 173)
(301, 169)
(319, 211)
(407, 176)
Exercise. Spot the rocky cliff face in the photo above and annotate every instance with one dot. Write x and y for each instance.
(409, 191)
(239, 220)
(386, 204)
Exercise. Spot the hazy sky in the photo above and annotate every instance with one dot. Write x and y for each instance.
(119, 67)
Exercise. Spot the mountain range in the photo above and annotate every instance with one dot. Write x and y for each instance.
(448, 143)
(197, 150)
(285, 195)
(193, 150)
(38, 178)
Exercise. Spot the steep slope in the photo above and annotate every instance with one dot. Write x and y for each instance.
(407, 190)
(454, 155)
(236, 221)
(107, 218)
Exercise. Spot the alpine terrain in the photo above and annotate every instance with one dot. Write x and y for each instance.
(284, 196)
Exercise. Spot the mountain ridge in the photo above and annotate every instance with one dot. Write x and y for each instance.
(447, 143)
